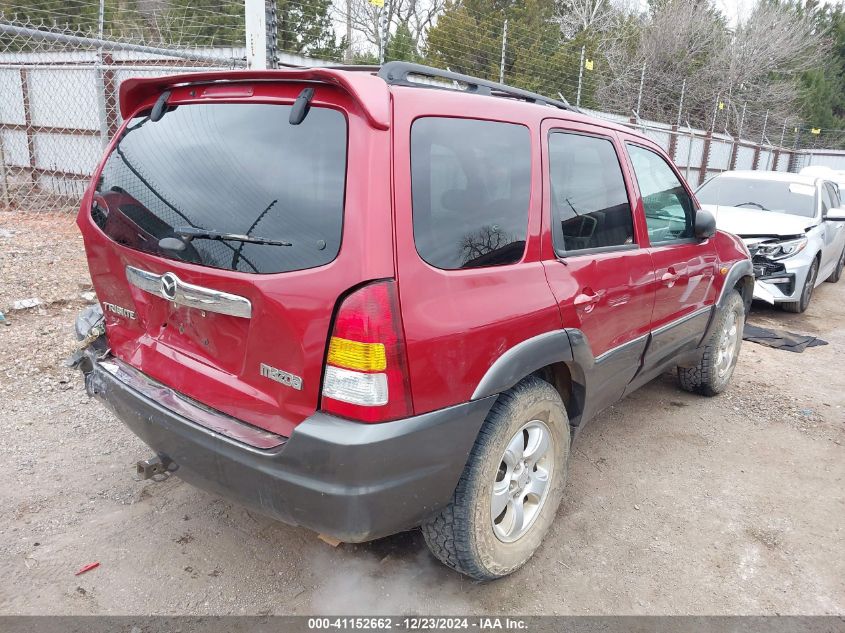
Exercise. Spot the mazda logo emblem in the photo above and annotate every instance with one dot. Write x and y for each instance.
(169, 281)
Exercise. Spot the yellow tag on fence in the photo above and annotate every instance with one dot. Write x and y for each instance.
(377, 3)
(588, 64)
(816, 130)
(721, 105)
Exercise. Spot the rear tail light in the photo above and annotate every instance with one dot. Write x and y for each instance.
(366, 374)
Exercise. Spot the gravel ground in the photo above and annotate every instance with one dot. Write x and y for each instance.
(675, 504)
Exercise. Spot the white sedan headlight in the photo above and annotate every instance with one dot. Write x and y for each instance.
(781, 250)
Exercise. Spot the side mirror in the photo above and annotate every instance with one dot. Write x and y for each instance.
(837, 214)
(705, 224)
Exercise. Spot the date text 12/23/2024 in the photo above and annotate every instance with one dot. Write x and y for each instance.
(417, 623)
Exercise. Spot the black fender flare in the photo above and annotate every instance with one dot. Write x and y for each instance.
(569, 346)
(739, 270)
(743, 269)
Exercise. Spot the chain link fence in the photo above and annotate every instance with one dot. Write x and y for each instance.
(59, 105)
(59, 84)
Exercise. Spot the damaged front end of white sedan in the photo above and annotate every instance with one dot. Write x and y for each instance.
(793, 227)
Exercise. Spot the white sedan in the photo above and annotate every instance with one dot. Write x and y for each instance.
(793, 226)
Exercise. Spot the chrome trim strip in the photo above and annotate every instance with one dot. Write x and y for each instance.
(633, 341)
(683, 319)
(209, 419)
(659, 330)
(170, 288)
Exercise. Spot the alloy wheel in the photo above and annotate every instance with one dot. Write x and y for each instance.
(728, 345)
(522, 481)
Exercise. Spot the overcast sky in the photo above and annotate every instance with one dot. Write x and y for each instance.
(738, 10)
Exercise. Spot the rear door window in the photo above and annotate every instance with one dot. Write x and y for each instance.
(471, 182)
(590, 207)
(231, 169)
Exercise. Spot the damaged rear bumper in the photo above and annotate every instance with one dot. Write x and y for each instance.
(354, 482)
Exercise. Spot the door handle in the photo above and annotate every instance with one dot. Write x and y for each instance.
(586, 298)
(670, 277)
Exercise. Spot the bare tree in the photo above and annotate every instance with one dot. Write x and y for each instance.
(484, 242)
(365, 20)
(688, 42)
(576, 16)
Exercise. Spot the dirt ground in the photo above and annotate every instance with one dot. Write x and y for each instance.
(675, 504)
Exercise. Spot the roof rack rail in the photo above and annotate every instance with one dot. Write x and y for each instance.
(397, 73)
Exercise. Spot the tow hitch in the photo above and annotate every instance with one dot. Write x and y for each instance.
(149, 468)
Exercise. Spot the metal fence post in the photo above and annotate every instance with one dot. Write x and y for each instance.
(256, 34)
(5, 195)
(705, 157)
(504, 48)
(673, 142)
(580, 77)
(27, 121)
(110, 97)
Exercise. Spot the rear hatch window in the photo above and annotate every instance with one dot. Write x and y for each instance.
(205, 174)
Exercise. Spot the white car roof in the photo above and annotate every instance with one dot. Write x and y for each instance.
(773, 176)
(823, 171)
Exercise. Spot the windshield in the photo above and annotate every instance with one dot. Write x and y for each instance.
(763, 195)
(231, 170)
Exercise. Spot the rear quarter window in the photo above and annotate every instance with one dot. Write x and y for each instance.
(471, 183)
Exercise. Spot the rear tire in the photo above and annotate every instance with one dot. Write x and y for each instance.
(806, 291)
(713, 372)
(506, 467)
(836, 275)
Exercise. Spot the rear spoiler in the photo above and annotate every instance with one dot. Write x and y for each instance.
(368, 90)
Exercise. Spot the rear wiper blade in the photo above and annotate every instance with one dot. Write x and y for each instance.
(189, 233)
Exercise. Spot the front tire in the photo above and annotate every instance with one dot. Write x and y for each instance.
(511, 487)
(806, 291)
(713, 372)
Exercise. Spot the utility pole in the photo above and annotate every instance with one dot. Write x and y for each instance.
(681, 101)
(348, 55)
(640, 95)
(689, 148)
(741, 122)
(256, 34)
(100, 79)
(765, 122)
(272, 35)
(715, 112)
(580, 77)
(384, 30)
(504, 48)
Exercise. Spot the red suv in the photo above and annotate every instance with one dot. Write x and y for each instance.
(365, 300)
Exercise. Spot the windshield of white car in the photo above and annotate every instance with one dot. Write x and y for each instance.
(778, 196)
